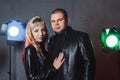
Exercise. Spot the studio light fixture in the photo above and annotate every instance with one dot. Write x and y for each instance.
(110, 38)
(15, 32)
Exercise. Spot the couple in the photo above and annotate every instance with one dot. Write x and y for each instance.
(68, 55)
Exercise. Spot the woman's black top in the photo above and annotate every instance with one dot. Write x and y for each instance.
(36, 67)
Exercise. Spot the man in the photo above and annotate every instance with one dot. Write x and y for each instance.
(77, 48)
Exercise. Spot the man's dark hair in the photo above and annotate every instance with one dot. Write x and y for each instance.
(64, 12)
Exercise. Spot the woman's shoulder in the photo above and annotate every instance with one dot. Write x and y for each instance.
(30, 48)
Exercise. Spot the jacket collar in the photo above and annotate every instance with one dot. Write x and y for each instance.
(64, 31)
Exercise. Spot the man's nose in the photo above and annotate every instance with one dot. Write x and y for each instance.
(56, 23)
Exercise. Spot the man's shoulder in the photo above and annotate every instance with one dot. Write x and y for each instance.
(51, 37)
(78, 32)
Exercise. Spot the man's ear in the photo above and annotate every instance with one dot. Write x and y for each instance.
(68, 20)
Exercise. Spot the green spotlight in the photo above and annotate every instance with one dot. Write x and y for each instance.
(110, 38)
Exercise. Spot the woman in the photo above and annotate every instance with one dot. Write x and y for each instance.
(35, 57)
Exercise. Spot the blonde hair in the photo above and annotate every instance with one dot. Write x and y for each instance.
(35, 21)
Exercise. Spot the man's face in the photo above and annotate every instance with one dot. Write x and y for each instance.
(58, 22)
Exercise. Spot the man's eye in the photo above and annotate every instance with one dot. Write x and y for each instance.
(60, 19)
(52, 21)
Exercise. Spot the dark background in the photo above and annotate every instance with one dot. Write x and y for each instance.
(86, 15)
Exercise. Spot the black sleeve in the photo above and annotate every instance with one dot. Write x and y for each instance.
(89, 58)
(35, 69)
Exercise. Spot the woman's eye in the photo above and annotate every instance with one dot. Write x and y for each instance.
(35, 30)
(44, 30)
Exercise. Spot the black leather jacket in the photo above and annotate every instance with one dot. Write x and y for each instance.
(79, 55)
(36, 68)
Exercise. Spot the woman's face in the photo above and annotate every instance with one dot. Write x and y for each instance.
(39, 33)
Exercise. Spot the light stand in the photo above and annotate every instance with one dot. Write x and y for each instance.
(9, 63)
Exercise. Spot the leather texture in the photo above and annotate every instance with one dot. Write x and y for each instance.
(35, 66)
(79, 55)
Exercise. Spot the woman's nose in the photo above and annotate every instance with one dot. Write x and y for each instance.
(40, 33)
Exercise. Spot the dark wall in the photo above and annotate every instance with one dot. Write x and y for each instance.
(86, 15)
